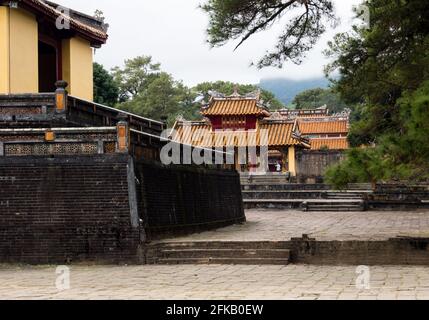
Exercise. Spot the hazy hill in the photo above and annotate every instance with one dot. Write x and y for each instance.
(286, 89)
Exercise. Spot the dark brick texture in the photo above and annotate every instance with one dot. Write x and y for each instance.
(70, 209)
(66, 209)
(182, 199)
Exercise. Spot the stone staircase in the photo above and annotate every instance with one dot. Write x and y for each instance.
(218, 252)
(273, 192)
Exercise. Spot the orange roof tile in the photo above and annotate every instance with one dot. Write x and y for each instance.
(200, 134)
(321, 127)
(330, 143)
(192, 133)
(234, 107)
(280, 133)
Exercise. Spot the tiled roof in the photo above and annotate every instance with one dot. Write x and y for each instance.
(323, 127)
(234, 107)
(281, 133)
(192, 133)
(330, 143)
(89, 30)
(200, 134)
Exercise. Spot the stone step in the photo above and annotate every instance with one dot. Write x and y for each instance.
(335, 209)
(224, 253)
(284, 186)
(282, 194)
(333, 205)
(231, 261)
(218, 245)
(344, 195)
(218, 252)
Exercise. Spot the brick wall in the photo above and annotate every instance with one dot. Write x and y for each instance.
(92, 208)
(181, 199)
(65, 209)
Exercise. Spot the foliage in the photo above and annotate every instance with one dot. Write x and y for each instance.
(385, 70)
(135, 76)
(315, 98)
(377, 65)
(240, 19)
(106, 90)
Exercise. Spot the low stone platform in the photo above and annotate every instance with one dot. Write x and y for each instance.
(324, 238)
(278, 225)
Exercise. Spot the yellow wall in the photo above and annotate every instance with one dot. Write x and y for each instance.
(77, 67)
(18, 52)
(4, 50)
(292, 161)
(19, 57)
(24, 63)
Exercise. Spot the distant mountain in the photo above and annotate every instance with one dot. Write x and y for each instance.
(286, 89)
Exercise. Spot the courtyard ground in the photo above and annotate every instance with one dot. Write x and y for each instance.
(245, 282)
(282, 225)
(214, 282)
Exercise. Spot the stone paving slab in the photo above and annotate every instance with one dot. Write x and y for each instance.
(282, 225)
(215, 282)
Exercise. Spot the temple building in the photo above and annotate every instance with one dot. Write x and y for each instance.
(243, 121)
(42, 42)
(325, 131)
(230, 120)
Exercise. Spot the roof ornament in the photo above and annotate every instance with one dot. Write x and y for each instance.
(254, 94)
(276, 116)
(343, 114)
(215, 94)
(235, 94)
(180, 118)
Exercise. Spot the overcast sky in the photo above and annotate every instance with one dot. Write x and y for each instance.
(173, 33)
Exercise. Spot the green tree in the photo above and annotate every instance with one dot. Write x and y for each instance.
(227, 88)
(163, 97)
(240, 19)
(135, 76)
(315, 98)
(385, 70)
(106, 90)
(377, 65)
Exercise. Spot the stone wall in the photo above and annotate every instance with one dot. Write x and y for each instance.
(395, 251)
(103, 208)
(312, 164)
(66, 209)
(181, 199)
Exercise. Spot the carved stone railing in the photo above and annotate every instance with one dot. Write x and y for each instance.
(59, 141)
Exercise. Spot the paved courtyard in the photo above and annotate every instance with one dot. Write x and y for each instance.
(215, 282)
(276, 225)
(246, 282)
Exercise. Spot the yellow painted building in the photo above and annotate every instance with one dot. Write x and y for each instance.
(41, 43)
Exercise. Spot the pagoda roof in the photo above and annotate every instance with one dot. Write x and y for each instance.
(235, 105)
